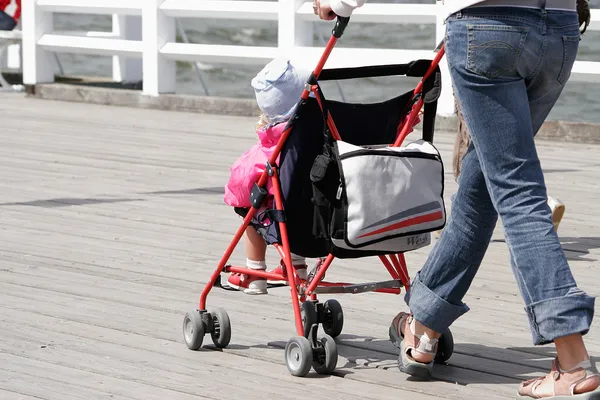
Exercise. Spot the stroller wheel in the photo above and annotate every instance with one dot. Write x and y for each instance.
(193, 330)
(298, 356)
(445, 347)
(333, 318)
(309, 316)
(326, 356)
(221, 334)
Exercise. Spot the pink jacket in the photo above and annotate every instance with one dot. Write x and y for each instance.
(247, 169)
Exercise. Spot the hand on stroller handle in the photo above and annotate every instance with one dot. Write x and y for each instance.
(340, 25)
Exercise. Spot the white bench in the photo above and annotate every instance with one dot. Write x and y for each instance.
(8, 38)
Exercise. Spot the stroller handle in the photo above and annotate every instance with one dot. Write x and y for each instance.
(340, 26)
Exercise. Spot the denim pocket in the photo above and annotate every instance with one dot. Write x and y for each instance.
(494, 50)
(570, 47)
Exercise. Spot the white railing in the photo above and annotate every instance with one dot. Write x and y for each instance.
(143, 42)
(8, 39)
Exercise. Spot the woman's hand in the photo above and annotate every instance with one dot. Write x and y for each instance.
(323, 10)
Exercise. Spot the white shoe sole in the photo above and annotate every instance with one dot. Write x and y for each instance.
(255, 291)
(252, 289)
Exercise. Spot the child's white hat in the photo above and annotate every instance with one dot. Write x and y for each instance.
(278, 87)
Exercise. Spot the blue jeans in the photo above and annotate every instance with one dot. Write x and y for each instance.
(508, 67)
(7, 23)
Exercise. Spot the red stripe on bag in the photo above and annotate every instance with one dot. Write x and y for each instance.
(407, 222)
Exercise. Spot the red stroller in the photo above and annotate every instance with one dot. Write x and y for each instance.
(321, 209)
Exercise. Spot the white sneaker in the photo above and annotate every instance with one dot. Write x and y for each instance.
(558, 210)
(247, 284)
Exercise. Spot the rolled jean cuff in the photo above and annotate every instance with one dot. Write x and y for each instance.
(561, 316)
(430, 309)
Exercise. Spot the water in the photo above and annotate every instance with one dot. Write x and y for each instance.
(579, 101)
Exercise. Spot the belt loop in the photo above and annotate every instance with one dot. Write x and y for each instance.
(544, 15)
(459, 14)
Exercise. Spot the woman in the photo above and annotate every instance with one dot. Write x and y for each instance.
(509, 61)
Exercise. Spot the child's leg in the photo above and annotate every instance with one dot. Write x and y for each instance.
(298, 260)
(461, 145)
(558, 211)
(299, 264)
(256, 249)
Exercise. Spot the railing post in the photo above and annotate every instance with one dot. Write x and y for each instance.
(37, 63)
(292, 31)
(446, 106)
(157, 30)
(128, 28)
(14, 56)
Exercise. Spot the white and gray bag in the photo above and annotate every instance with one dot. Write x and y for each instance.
(389, 199)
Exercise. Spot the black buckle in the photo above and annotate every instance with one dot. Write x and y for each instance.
(257, 196)
(270, 169)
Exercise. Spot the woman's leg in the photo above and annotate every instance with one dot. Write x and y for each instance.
(487, 64)
(435, 297)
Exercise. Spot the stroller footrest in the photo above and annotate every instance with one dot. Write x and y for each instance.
(359, 287)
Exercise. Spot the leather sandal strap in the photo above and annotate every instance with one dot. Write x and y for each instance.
(535, 386)
(590, 372)
(421, 343)
(564, 384)
(529, 387)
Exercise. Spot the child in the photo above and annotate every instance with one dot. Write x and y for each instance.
(461, 145)
(277, 88)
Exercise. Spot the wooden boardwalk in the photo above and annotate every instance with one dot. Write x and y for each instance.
(112, 219)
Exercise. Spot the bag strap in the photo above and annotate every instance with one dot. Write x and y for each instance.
(431, 93)
(429, 112)
(328, 137)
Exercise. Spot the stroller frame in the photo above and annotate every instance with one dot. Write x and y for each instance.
(306, 350)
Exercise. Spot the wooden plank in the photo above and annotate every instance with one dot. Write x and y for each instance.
(106, 284)
(60, 382)
(101, 341)
(167, 364)
(15, 395)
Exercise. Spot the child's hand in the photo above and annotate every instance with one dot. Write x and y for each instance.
(324, 11)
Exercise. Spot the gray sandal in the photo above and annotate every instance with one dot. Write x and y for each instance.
(410, 342)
